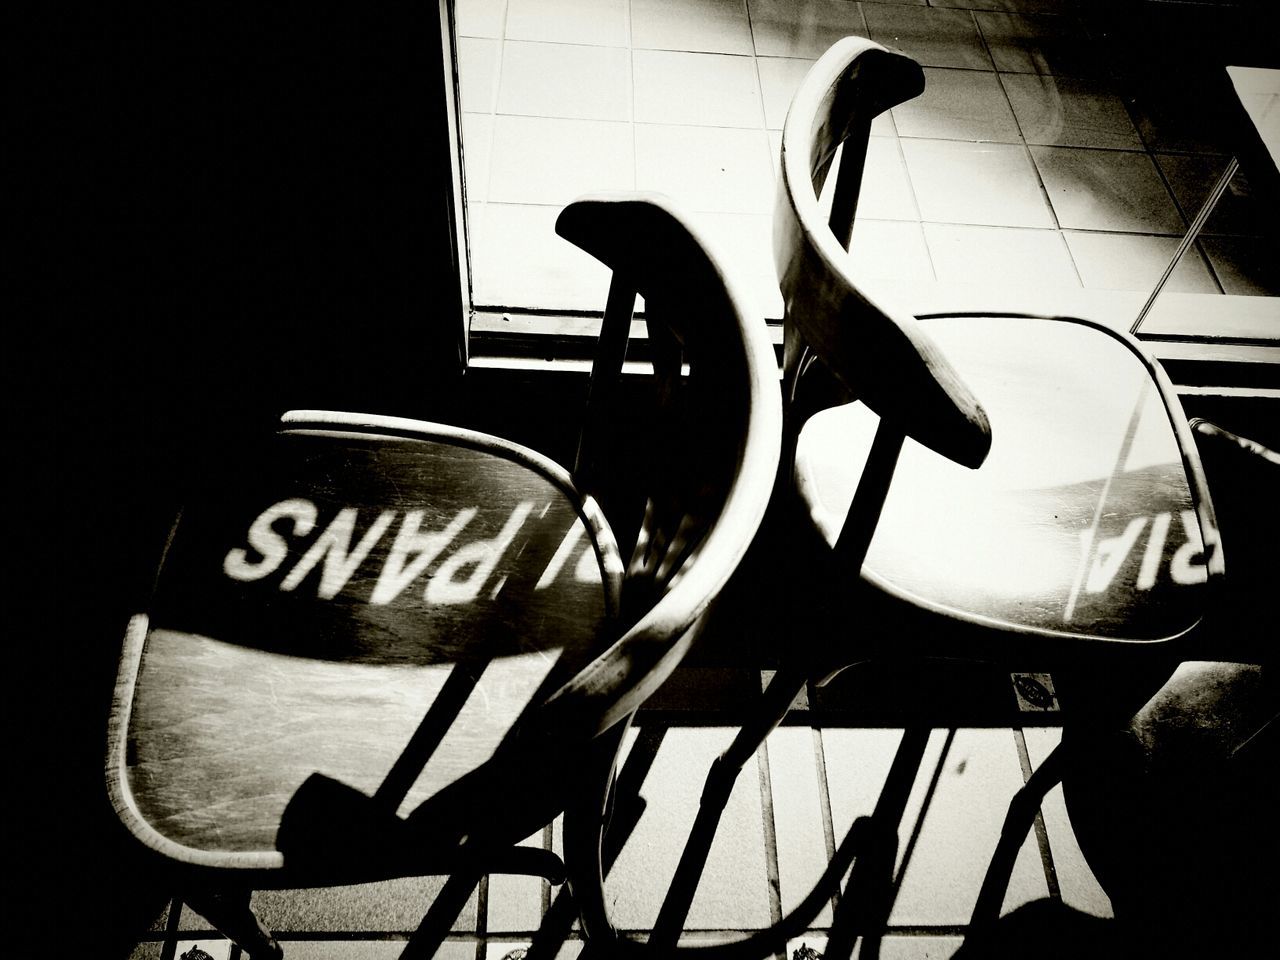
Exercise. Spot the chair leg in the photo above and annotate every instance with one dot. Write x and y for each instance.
(584, 837)
(426, 941)
(778, 697)
(868, 898)
(1018, 821)
(230, 912)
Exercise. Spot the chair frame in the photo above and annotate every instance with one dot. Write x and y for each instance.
(635, 234)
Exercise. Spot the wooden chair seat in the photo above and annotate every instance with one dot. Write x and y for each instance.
(378, 607)
(1080, 522)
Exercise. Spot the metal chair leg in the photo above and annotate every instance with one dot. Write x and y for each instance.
(1018, 822)
(231, 913)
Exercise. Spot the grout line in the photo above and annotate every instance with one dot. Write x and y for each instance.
(772, 878)
(1042, 834)
(824, 794)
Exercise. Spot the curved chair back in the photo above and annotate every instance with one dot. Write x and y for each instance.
(686, 475)
(884, 359)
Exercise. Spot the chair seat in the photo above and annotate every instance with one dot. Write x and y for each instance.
(325, 595)
(1080, 521)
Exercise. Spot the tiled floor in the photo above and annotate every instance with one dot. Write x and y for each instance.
(786, 815)
(1032, 141)
(1025, 158)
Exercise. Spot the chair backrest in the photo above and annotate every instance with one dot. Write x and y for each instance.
(872, 354)
(683, 458)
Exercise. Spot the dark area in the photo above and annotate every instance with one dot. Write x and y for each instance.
(224, 211)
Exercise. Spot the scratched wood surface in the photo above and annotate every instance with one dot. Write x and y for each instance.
(1081, 519)
(327, 594)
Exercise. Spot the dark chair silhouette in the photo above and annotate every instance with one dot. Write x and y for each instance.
(381, 647)
(1010, 489)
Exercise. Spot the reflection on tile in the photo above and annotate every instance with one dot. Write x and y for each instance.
(717, 169)
(1079, 887)
(1058, 46)
(552, 161)
(517, 259)
(390, 905)
(991, 183)
(1106, 190)
(479, 18)
(477, 73)
(477, 137)
(565, 80)
(733, 893)
(999, 255)
(933, 37)
(1192, 178)
(1119, 261)
(711, 26)
(599, 22)
(708, 89)
(958, 105)
(780, 78)
(802, 28)
(1069, 112)
(1245, 266)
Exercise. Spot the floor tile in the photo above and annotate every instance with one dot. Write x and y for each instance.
(479, 18)
(802, 28)
(598, 22)
(1119, 261)
(1078, 886)
(1193, 177)
(978, 776)
(389, 905)
(517, 259)
(369, 949)
(1010, 6)
(1176, 114)
(958, 105)
(707, 89)
(515, 902)
(477, 147)
(1057, 46)
(733, 894)
(933, 37)
(991, 184)
(1000, 255)
(780, 77)
(886, 192)
(919, 947)
(478, 61)
(148, 950)
(552, 161)
(717, 169)
(1245, 266)
(797, 817)
(888, 253)
(710, 26)
(745, 240)
(1070, 112)
(565, 80)
(1107, 190)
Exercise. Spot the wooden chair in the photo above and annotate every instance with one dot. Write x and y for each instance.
(1014, 489)
(380, 647)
